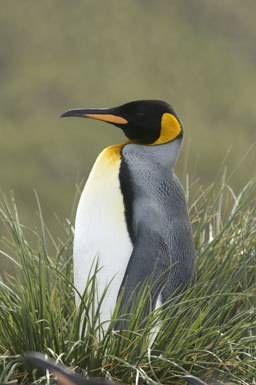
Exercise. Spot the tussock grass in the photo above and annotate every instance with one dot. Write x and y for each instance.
(210, 332)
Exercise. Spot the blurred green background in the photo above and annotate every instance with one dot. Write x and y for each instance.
(200, 56)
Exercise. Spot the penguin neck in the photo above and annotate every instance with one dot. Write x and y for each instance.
(172, 151)
(166, 154)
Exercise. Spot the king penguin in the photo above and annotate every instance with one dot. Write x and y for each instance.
(132, 215)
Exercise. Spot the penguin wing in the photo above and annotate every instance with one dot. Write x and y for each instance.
(149, 265)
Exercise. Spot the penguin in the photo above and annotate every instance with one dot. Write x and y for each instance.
(63, 375)
(132, 216)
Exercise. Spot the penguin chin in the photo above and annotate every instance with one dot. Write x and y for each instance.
(144, 138)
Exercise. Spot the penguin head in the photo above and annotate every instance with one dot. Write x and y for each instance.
(142, 121)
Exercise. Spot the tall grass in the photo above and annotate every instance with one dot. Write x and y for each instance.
(210, 333)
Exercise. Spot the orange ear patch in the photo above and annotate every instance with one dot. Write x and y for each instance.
(170, 129)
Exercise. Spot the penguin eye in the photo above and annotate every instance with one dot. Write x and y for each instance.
(140, 115)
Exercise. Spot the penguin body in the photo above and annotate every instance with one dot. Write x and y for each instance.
(132, 216)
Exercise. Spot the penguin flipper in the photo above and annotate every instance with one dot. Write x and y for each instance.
(149, 264)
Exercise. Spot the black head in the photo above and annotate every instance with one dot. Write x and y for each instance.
(142, 121)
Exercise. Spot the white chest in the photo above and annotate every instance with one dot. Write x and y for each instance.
(101, 233)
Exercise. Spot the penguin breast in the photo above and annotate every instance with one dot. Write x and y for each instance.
(101, 234)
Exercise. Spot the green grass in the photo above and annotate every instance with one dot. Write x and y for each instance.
(211, 335)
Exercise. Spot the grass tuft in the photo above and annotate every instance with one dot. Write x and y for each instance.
(210, 333)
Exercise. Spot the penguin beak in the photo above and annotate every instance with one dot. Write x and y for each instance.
(105, 114)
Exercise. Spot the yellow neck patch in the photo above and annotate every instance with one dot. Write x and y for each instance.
(112, 153)
(170, 129)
